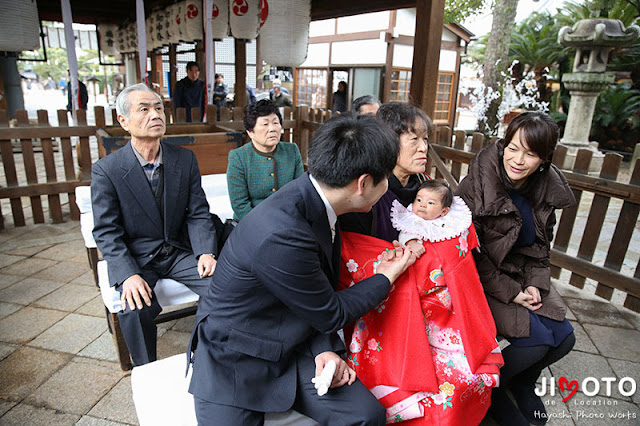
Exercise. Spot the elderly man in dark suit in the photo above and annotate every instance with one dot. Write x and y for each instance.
(268, 324)
(151, 218)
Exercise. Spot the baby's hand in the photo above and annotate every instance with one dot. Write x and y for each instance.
(416, 247)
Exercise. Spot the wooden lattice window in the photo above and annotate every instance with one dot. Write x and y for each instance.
(400, 85)
(444, 96)
(312, 88)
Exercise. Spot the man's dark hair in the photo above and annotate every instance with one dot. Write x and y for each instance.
(259, 109)
(192, 64)
(401, 117)
(441, 187)
(346, 147)
(363, 100)
(219, 75)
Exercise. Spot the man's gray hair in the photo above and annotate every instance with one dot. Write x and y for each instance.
(123, 104)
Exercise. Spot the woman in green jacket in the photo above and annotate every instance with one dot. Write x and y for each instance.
(261, 167)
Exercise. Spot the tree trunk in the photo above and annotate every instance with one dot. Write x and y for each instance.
(496, 57)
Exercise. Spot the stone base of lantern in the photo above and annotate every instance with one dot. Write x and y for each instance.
(596, 160)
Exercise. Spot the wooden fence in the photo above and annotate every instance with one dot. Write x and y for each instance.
(449, 155)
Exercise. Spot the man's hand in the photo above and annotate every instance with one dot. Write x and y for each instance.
(135, 290)
(527, 300)
(343, 374)
(416, 247)
(395, 262)
(206, 265)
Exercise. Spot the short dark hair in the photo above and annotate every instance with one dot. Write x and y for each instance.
(347, 147)
(441, 187)
(401, 117)
(539, 131)
(259, 109)
(192, 64)
(363, 100)
(218, 75)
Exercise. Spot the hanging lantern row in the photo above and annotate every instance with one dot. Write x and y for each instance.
(283, 27)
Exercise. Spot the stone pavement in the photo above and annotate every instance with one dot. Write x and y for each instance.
(58, 364)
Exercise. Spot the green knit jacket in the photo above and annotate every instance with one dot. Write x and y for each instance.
(252, 175)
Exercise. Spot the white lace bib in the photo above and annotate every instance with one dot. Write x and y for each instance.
(443, 228)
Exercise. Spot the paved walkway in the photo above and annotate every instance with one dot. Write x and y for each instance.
(58, 364)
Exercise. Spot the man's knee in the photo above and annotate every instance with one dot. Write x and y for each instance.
(371, 413)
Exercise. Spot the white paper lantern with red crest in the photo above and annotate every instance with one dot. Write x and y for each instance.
(220, 19)
(108, 38)
(193, 13)
(244, 18)
(284, 37)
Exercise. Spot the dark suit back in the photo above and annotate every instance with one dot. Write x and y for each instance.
(129, 228)
(272, 298)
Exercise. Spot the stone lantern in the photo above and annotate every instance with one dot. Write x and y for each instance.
(593, 39)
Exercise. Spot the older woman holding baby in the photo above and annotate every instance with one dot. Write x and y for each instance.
(425, 364)
(513, 191)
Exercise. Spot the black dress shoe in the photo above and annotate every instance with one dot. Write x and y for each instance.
(504, 411)
(530, 404)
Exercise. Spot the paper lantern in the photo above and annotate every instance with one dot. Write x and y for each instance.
(19, 26)
(264, 11)
(108, 35)
(284, 37)
(220, 19)
(122, 40)
(244, 18)
(163, 27)
(132, 37)
(149, 25)
(193, 13)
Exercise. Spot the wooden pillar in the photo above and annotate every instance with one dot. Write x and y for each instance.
(426, 53)
(156, 71)
(385, 95)
(240, 89)
(200, 54)
(173, 71)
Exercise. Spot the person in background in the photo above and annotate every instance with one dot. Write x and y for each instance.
(513, 191)
(83, 95)
(261, 167)
(189, 92)
(340, 98)
(251, 95)
(220, 92)
(277, 82)
(367, 104)
(280, 98)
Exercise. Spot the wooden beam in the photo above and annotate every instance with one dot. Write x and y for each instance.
(173, 72)
(325, 9)
(426, 53)
(240, 89)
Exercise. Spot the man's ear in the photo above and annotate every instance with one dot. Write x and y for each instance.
(123, 122)
(362, 183)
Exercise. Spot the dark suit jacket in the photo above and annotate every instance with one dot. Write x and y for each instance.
(128, 227)
(272, 298)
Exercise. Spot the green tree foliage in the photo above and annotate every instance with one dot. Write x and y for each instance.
(461, 10)
(616, 122)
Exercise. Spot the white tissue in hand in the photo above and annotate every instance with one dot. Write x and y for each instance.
(323, 381)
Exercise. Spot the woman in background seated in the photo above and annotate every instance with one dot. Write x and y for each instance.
(513, 191)
(260, 168)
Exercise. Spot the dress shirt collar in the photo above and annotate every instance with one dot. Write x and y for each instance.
(331, 214)
(144, 162)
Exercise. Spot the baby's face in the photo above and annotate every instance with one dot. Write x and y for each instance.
(428, 204)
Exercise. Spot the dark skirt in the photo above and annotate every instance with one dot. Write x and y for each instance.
(543, 331)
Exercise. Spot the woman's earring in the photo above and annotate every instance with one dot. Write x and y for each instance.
(541, 169)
